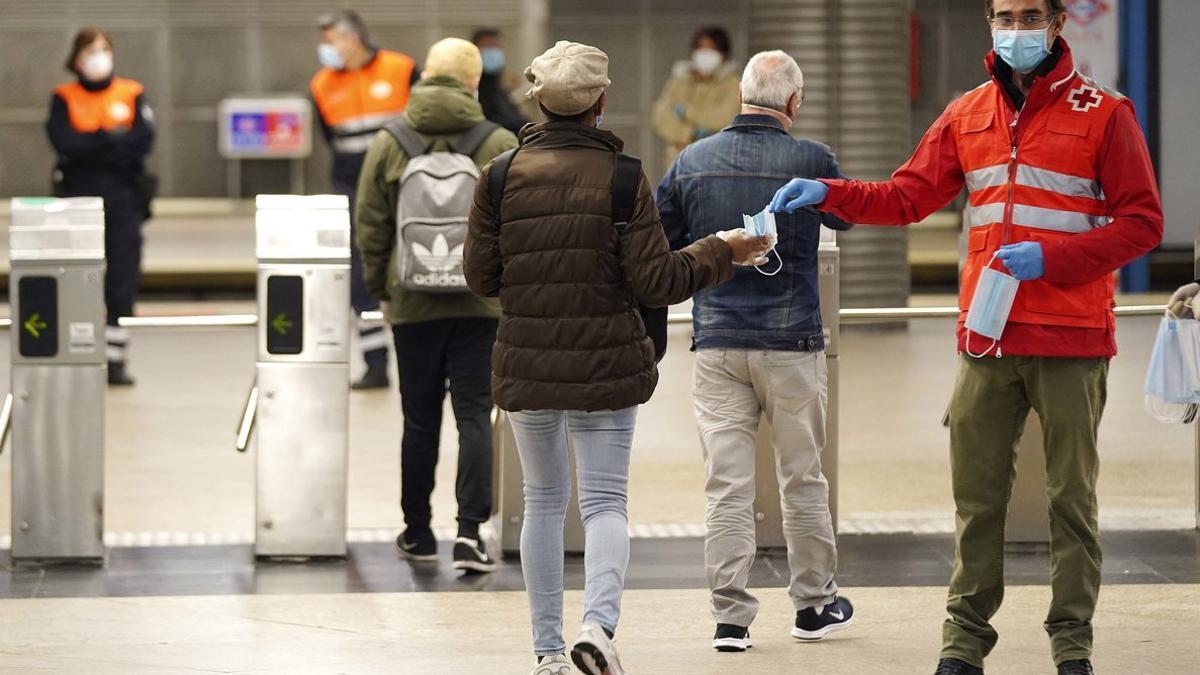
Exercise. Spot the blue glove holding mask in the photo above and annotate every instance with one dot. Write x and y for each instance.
(798, 193)
(1024, 260)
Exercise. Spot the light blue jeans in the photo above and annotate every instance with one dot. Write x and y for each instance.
(602, 442)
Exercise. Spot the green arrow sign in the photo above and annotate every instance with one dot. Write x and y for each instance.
(281, 324)
(34, 325)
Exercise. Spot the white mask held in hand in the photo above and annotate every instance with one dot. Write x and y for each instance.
(706, 61)
(762, 224)
(97, 67)
(990, 307)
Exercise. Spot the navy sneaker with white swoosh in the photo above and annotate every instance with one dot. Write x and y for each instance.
(815, 623)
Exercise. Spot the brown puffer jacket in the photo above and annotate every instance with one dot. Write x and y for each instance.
(570, 335)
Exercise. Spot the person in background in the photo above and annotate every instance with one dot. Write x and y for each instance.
(1062, 194)
(702, 95)
(496, 88)
(358, 90)
(102, 128)
(439, 337)
(760, 351)
(572, 356)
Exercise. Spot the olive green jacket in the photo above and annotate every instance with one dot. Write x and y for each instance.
(441, 109)
(690, 108)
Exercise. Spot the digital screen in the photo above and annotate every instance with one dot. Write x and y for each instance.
(285, 315)
(37, 323)
(266, 132)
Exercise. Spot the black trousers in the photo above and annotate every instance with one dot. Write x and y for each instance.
(372, 338)
(431, 355)
(123, 218)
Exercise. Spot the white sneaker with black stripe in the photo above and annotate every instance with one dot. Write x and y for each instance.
(594, 653)
(471, 556)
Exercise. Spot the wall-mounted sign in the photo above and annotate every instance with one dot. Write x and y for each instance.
(265, 128)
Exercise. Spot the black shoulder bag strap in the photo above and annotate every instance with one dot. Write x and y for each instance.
(497, 176)
(627, 176)
(410, 141)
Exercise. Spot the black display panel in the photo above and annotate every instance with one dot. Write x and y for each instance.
(285, 315)
(38, 322)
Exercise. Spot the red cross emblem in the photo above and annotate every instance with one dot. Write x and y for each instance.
(1084, 98)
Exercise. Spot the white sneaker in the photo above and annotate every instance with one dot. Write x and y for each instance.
(594, 653)
(553, 665)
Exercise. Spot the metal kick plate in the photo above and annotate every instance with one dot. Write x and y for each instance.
(302, 446)
(321, 323)
(58, 461)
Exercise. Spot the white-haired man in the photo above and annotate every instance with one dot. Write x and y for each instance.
(760, 351)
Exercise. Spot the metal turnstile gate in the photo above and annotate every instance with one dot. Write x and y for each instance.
(768, 512)
(300, 402)
(59, 378)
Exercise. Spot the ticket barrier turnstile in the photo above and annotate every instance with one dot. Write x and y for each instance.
(59, 379)
(768, 512)
(299, 404)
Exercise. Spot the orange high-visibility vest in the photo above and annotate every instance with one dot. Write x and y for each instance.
(1041, 187)
(107, 109)
(356, 103)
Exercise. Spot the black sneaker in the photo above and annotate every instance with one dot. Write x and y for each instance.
(417, 546)
(376, 377)
(731, 638)
(118, 376)
(470, 556)
(815, 623)
(1076, 667)
(956, 667)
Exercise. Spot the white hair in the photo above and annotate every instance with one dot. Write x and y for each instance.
(770, 79)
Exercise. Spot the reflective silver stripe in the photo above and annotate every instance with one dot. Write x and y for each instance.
(1060, 221)
(1061, 183)
(372, 122)
(992, 176)
(978, 216)
(353, 144)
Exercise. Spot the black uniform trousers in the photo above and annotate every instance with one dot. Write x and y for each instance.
(371, 337)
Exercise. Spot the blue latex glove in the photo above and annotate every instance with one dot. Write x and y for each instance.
(1024, 260)
(680, 111)
(798, 193)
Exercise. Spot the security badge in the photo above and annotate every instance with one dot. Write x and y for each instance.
(381, 89)
(120, 111)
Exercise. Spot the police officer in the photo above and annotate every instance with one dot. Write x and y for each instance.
(359, 90)
(102, 129)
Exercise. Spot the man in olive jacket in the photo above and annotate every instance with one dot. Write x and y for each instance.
(439, 337)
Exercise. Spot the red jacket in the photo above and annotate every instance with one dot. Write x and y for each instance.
(1076, 266)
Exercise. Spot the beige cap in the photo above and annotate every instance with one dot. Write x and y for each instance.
(569, 78)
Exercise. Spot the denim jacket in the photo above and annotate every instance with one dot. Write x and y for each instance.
(708, 188)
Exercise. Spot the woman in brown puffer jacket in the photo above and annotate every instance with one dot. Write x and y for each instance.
(572, 353)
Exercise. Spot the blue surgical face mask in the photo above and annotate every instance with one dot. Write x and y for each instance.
(1024, 50)
(493, 59)
(990, 307)
(329, 56)
(762, 224)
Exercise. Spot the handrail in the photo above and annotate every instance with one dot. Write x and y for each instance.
(863, 315)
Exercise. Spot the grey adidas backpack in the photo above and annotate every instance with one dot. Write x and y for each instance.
(435, 196)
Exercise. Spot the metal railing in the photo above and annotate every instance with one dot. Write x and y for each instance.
(846, 316)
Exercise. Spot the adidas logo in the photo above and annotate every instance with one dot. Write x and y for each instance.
(440, 260)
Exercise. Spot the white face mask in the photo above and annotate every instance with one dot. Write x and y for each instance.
(706, 61)
(990, 307)
(98, 66)
(763, 225)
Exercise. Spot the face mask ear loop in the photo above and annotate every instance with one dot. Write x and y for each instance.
(777, 269)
